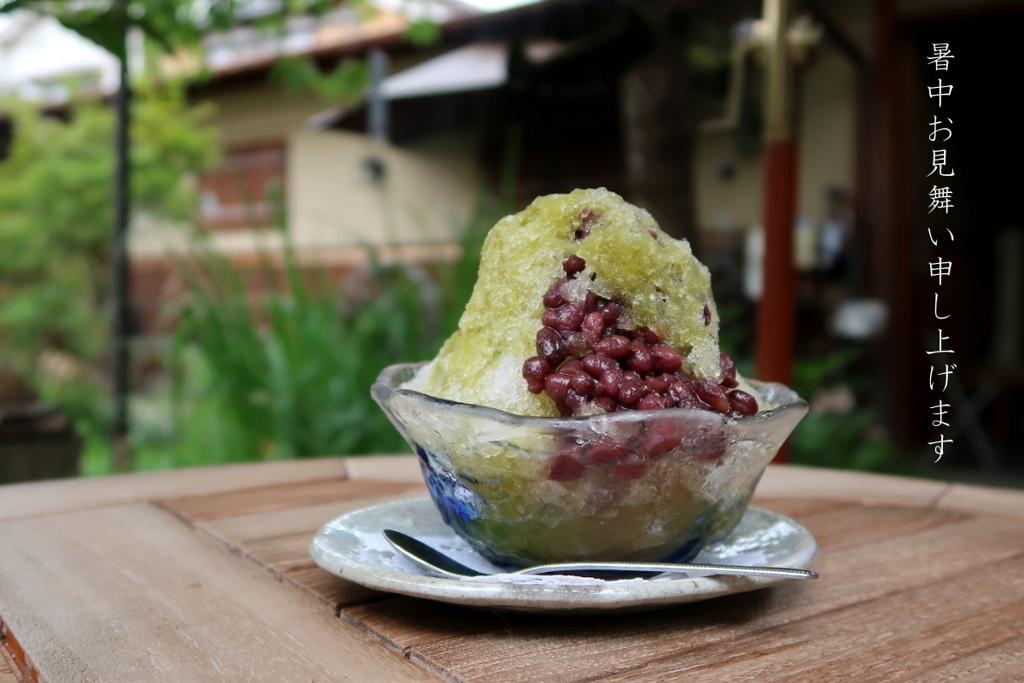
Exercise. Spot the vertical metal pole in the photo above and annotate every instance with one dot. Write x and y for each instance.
(121, 323)
(378, 105)
(776, 313)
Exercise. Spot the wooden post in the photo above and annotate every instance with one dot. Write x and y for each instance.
(121, 323)
(776, 313)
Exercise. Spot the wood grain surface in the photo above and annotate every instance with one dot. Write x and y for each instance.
(921, 581)
(43, 497)
(9, 672)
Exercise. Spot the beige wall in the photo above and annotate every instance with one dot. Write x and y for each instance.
(426, 194)
(827, 111)
(263, 111)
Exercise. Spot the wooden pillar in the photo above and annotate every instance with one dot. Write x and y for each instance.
(776, 313)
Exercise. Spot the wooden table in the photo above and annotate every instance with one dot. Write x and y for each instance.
(203, 575)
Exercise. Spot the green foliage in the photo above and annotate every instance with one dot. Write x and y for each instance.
(848, 438)
(170, 23)
(55, 231)
(288, 373)
(423, 33)
(849, 441)
(344, 84)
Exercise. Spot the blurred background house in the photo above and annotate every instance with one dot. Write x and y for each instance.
(661, 102)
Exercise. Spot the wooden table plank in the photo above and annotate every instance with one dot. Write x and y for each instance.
(406, 623)
(255, 526)
(278, 497)
(799, 508)
(384, 468)
(12, 657)
(278, 538)
(871, 640)
(999, 663)
(47, 497)
(329, 591)
(8, 670)
(129, 593)
(984, 499)
(535, 649)
(135, 581)
(849, 527)
(792, 481)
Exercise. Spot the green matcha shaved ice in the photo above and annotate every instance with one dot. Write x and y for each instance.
(629, 259)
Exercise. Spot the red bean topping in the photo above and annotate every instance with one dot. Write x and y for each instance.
(575, 401)
(653, 402)
(611, 312)
(683, 395)
(611, 382)
(553, 297)
(728, 370)
(570, 367)
(597, 364)
(741, 403)
(707, 315)
(550, 346)
(557, 386)
(616, 369)
(629, 470)
(632, 390)
(582, 384)
(712, 394)
(632, 376)
(641, 361)
(614, 346)
(576, 345)
(659, 384)
(573, 265)
(666, 359)
(564, 319)
(565, 467)
(587, 219)
(606, 451)
(592, 327)
(535, 369)
(650, 336)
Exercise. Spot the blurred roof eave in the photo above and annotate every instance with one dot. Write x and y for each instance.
(328, 38)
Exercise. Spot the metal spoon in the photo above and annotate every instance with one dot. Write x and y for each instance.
(436, 562)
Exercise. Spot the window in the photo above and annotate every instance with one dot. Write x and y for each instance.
(247, 190)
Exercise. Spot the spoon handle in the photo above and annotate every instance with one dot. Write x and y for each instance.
(678, 568)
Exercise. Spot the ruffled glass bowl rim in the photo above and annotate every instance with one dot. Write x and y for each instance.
(383, 390)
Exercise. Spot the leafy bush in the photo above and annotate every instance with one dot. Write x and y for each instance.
(56, 220)
(288, 373)
(846, 434)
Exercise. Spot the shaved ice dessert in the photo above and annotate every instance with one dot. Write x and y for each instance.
(585, 286)
(583, 409)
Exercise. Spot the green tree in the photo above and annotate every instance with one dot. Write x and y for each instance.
(55, 239)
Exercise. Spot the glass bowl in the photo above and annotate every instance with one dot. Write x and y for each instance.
(652, 485)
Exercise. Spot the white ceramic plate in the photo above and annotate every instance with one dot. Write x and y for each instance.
(353, 547)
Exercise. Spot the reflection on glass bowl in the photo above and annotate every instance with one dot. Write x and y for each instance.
(638, 485)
